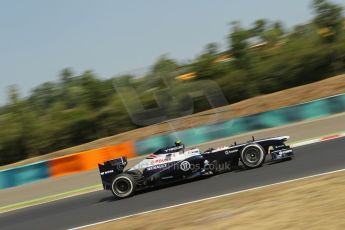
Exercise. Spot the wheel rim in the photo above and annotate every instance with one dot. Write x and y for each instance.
(252, 156)
(122, 186)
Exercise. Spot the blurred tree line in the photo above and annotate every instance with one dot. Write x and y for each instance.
(264, 58)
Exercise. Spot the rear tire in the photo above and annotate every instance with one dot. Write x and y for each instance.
(123, 185)
(252, 156)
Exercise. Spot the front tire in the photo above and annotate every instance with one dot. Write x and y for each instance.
(252, 156)
(123, 185)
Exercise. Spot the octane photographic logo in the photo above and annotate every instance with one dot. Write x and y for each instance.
(185, 166)
(173, 101)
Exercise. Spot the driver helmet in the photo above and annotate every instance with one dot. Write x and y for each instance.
(178, 143)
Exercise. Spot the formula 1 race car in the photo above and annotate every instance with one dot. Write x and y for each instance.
(174, 163)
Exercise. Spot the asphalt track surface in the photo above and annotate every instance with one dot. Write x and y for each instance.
(99, 206)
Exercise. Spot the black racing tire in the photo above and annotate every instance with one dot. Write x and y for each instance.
(252, 156)
(123, 185)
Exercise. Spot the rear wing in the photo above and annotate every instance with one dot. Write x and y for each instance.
(109, 169)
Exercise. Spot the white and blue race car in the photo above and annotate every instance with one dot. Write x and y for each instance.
(174, 163)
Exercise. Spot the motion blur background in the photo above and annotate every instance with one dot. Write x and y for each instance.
(248, 51)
